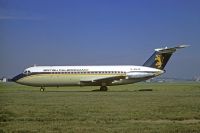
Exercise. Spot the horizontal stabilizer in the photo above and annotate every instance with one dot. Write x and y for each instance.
(170, 50)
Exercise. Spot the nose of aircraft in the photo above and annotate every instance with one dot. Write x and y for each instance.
(16, 78)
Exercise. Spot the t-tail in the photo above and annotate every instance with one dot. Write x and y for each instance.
(161, 56)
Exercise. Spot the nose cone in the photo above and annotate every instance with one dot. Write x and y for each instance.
(16, 78)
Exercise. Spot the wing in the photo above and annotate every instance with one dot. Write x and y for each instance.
(104, 80)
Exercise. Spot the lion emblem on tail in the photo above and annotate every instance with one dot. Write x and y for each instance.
(159, 61)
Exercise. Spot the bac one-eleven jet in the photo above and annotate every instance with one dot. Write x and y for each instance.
(103, 76)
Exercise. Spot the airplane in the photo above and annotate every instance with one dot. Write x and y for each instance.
(103, 76)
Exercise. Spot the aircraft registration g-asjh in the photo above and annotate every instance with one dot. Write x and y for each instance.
(103, 76)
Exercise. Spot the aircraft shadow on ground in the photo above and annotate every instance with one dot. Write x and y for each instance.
(96, 90)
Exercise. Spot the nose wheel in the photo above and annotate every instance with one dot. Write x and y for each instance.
(42, 89)
(103, 88)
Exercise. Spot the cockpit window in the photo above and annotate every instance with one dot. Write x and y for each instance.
(27, 72)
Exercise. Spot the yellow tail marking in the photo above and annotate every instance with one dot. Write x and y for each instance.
(159, 61)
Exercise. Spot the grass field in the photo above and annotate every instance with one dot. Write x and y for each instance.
(168, 108)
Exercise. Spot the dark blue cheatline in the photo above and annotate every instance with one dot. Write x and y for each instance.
(21, 75)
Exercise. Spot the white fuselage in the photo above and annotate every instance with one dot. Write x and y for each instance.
(85, 75)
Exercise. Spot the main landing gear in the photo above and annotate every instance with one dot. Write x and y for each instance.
(42, 89)
(103, 88)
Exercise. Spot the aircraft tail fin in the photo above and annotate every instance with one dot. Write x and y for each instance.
(161, 56)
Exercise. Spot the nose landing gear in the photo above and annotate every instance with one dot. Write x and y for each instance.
(42, 88)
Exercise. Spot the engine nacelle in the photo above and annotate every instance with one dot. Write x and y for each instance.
(139, 74)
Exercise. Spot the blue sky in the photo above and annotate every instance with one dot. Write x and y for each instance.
(98, 32)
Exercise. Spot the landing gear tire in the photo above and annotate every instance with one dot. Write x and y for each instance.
(103, 88)
(42, 89)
